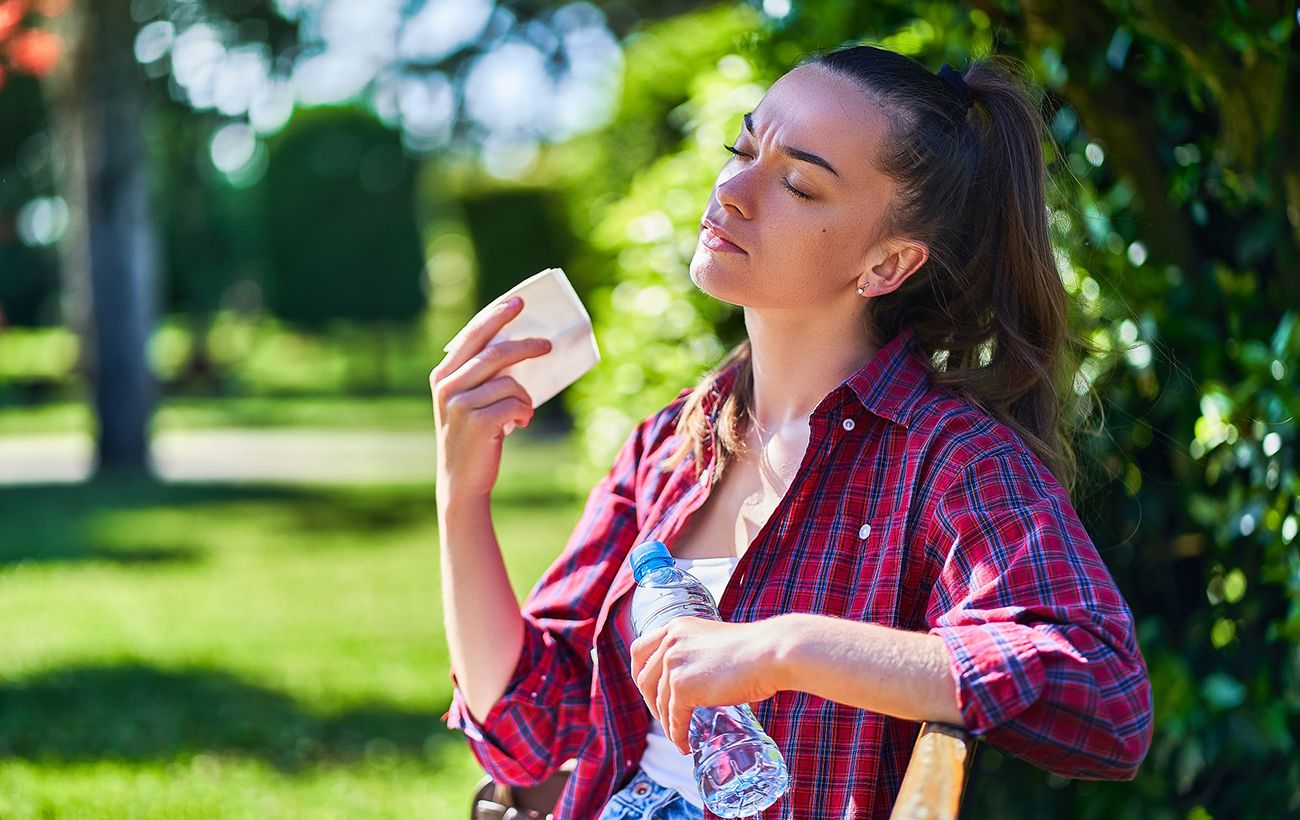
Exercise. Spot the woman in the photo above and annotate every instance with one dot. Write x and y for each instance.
(875, 482)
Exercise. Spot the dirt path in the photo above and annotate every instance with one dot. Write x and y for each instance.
(313, 455)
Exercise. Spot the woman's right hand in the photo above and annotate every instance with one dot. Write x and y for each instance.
(473, 407)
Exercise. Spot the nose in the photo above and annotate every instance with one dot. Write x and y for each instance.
(733, 194)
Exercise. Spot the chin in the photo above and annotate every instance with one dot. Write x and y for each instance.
(712, 279)
(704, 269)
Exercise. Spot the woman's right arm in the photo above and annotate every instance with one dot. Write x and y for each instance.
(542, 717)
(473, 408)
(485, 630)
(528, 673)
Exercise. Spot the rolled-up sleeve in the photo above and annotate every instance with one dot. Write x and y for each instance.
(1043, 649)
(542, 720)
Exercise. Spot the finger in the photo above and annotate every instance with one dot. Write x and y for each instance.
(490, 393)
(490, 359)
(480, 330)
(487, 363)
(650, 679)
(680, 722)
(643, 647)
(493, 418)
(663, 698)
(496, 416)
(492, 390)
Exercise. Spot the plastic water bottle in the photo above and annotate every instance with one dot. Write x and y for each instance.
(739, 769)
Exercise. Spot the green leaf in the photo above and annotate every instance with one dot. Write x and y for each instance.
(1282, 336)
(1222, 691)
(1234, 586)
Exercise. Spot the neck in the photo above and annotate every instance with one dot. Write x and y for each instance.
(797, 361)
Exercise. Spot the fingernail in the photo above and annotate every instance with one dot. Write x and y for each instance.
(514, 302)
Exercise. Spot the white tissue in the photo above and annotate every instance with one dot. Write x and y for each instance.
(552, 310)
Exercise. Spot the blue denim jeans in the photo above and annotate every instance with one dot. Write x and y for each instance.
(644, 799)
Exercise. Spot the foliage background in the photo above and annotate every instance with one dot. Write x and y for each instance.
(1175, 209)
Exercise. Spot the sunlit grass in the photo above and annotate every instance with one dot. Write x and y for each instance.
(434, 785)
(241, 651)
(183, 413)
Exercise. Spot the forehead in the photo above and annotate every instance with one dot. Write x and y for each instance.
(818, 110)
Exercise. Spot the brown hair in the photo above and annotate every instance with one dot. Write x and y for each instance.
(988, 307)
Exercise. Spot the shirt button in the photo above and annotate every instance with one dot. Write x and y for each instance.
(848, 424)
(864, 531)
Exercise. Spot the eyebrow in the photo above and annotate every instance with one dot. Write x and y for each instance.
(789, 151)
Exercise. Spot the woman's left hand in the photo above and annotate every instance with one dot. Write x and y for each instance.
(696, 662)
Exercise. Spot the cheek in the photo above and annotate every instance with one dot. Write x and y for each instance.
(815, 246)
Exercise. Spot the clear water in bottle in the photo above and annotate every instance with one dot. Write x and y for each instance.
(739, 769)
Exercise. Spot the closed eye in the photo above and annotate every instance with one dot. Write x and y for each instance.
(785, 182)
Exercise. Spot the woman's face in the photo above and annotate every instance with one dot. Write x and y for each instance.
(815, 132)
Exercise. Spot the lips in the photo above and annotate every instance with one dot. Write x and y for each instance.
(717, 239)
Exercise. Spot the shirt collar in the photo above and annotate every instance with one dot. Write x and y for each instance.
(889, 385)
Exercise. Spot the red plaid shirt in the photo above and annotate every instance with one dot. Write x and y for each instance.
(911, 509)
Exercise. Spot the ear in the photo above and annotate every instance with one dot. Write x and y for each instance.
(902, 259)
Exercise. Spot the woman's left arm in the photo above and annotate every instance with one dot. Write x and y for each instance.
(890, 671)
(1078, 709)
(694, 662)
(1029, 645)
(1043, 647)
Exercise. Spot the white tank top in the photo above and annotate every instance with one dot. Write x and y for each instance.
(662, 762)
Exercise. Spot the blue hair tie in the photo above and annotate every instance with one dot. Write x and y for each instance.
(954, 81)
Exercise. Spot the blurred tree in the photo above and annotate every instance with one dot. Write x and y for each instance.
(110, 259)
(539, 237)
(214, 236)
(341, 234)
(341, 228)
(28, 221)
(26, 49)
(254, 63)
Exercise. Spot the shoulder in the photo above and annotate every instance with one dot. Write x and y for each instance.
(649, 438)
(971, 455)
(639, 471)
(986, 488)
(654, 428)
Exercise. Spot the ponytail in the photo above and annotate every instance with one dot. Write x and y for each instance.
(1011, 349)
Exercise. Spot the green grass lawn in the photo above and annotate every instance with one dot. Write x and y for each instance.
(241, 650)
(181, 413)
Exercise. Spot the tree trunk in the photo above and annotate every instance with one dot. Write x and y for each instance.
(110, 258)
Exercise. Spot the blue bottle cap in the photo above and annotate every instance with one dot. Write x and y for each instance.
(649, 556)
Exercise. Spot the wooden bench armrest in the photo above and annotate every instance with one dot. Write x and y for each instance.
(936, 775)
